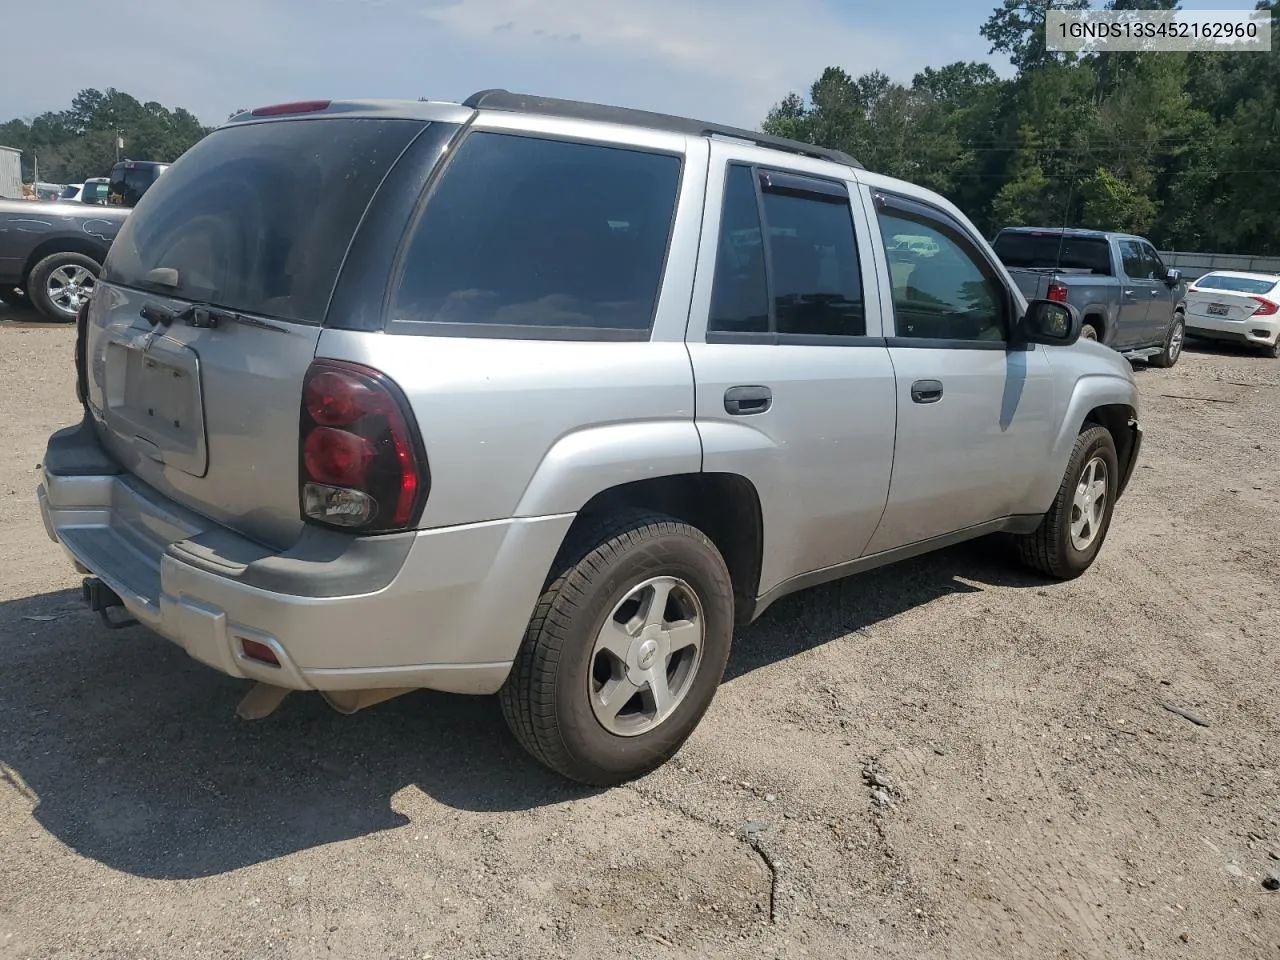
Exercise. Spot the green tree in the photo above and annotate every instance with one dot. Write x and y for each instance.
(80, 142)
(1179, 146)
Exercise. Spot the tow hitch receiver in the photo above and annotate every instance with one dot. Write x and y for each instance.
(101, 599)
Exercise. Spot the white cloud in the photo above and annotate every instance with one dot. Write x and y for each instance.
(763, 48)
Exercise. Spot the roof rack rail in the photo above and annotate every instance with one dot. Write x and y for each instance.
(580, 110)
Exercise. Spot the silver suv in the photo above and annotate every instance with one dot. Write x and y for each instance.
(544, 399)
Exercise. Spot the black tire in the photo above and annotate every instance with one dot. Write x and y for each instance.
(1173, 341)
(1089, 332)
(14, 297)
(37, 283)
(1049, 549)
(546, 700)
(1272, 351)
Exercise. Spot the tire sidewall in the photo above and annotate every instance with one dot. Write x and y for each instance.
(1099, 444)
(1168, 356)
(36, 289)
(1096, 338)
(697, 563)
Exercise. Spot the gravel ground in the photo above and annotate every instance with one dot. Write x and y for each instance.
(1035, 798)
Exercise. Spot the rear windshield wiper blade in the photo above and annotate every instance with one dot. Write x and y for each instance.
(204, 316)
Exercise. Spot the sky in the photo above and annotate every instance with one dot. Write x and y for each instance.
(720, 60)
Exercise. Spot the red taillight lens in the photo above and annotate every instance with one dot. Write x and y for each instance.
(361, 460)
(1266, 309)
(337, 399)
(1058, 292)
(298, 106)
(337, 457)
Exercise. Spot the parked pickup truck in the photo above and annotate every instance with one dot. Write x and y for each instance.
(1128, 298)
(51, 253)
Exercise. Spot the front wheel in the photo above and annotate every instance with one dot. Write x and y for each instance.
(1172, 349)
(1072, 531)
(624, 652)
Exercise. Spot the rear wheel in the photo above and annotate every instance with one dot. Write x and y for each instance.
(1089, 332)
(1072, 531)
(60, 283)
(1272, 351)
(1173, 341)
(625, 650)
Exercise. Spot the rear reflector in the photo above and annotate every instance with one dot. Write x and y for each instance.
(259, 652)
(298, 106)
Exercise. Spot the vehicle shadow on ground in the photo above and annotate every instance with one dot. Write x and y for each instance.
(21, 318)
(130, 754)
(1218, 348)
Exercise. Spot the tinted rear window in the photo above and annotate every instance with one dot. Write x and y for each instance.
(1235, 284)
(258, 218)
(1050, 250)
(524, 234)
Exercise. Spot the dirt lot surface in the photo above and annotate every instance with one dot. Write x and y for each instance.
(1039, 800)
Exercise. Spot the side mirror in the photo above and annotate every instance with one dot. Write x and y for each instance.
(1051, 323)
(1173, 277)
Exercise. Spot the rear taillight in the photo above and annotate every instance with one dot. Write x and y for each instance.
(1267, 308)
(1058, 292)
(361, 463)
(82, 371)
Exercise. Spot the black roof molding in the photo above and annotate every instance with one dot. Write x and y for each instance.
(580, 110)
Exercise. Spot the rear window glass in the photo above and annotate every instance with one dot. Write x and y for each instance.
(1053, 251)
(1235, 284)
(524, 234)
(129, 182)
(258, 218)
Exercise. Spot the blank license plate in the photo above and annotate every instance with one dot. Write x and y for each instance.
(1217, 310)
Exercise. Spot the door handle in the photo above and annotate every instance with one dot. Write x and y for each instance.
(1155, 293)
(744, 401)
(926, 391)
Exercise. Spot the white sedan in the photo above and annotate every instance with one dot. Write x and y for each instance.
(1236, 307)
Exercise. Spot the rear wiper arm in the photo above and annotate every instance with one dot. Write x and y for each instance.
(206, 316)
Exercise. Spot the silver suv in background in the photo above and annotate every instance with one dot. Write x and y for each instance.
(544, 399)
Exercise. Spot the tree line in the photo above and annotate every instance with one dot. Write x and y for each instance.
(1181, 147)
(75, 144)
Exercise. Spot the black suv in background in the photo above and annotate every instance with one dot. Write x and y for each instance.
(130, 179)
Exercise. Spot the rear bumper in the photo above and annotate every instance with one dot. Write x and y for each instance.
(1260, 330)
(444, 609)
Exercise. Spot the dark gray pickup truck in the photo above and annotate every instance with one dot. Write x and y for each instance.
(1127, 297)
(52, 252)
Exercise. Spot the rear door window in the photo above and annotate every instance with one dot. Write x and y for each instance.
(258, 218)
(540, 238)
(813, 269)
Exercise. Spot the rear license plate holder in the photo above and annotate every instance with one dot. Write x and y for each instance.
(1217, 309)
(153, 400)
